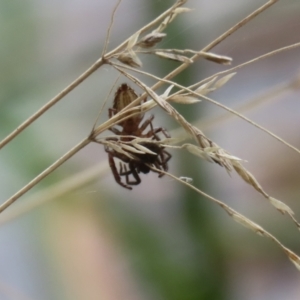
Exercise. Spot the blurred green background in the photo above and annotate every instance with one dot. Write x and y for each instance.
(161, 240)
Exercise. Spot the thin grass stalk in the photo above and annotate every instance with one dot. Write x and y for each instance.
(55, 191)
(255, 103)
(108, 124)
(194, 58)
(101, 61)
(242, 220)
(188, 89)
(254, 60)
(44, 174)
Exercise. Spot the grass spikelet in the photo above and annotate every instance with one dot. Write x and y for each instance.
(126, 59)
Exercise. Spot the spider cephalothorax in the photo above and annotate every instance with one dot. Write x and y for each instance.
(133, 126)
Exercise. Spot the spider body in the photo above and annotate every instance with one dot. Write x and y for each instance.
(141, 163)
(134, 126)
(123, 97)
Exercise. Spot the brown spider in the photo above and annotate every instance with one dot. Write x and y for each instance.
(140, 163)
(131, 126)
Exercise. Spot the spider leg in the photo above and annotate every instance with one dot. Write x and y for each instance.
(162, 130)
(167, 156)
(153, 132)
(111, 112)
(162, 161)
(123, 170)
(115, 171)
(146, 123)
(158, 165)
(126, 173)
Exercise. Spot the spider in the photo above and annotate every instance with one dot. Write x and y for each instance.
(141, 163)
(133, 126)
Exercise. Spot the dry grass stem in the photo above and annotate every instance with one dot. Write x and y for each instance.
(101, 61)
(219, 59)
(254, 60)
(183, 66)
(272, 95)
(53, 101)
(110, 27)
(217, 41)
(129, 146)
(200, 92)
(242, 220)
(238, 25)
(44, 174)
(104, 103)
(210, 150)
(253, 123)
(206, 87)
(68, 89)
(56, 191)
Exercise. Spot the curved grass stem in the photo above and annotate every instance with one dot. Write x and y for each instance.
(101, 61)
(44, 174)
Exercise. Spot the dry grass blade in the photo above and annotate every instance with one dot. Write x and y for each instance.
(251, 180)
(127, 53)
(220, 82)
(171, 17)
(206, 89)
(239, 25)
(144, 149)
(54, 192)
(218, 40)
(208, 149)
(252, 123)
(246, 222)
(151, 39)
(110, 27)
(219, 59)
(272, 95)
(133, 40)
(68, 89)
(175, 57)
(241, 219)
(183, 99)
(44, 174)
(84, 76)
(130, 58)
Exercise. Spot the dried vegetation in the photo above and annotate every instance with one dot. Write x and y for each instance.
(126, 59)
